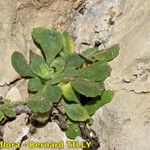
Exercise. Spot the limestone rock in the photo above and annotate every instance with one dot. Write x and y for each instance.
(50, 133)
(3, 91)
(8, 43)
(94, 22)
(18, 91)
(14, 131)
(13, 94)
(124, 123)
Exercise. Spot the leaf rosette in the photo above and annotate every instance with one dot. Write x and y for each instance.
(62, 78)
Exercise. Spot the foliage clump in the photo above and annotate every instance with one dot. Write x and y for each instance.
(61, 77)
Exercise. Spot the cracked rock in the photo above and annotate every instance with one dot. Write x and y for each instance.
(124, 123)
(49, 133)
(18, 91)
(15, 131)
(92, 26)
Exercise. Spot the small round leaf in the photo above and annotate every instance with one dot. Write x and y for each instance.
(73, 131)
(39, 103)
(34, 84)
(88, 88)
(20, 65)
(76, 112)
(69, 93)
(53, 93)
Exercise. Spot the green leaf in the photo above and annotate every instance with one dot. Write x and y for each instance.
(53, 93)
(73, 60)
(42, 70)
(8, 111)
(98, 102)
(49, 40)
(37, 59)
(70, 72)
(73, 131)
(88, 88)
(35, 84)
(76, 112)
(20, 65)
(58, 64)
(39, 103)
(57, 79)
(69, 93)
(90, 121)
(1, 115)
(98, 72)
(68, 44)
(88, 54)
(107, 54)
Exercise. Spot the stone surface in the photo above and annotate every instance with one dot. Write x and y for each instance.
(50, 133)
(13, 94)
(15, 131)
(8, 43)
(3, 91)
(18, 91)
(94, 22)
(124, 123)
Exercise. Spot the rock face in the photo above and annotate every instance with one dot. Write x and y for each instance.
(18, 91)
(8, 43)
(51, 133)
(16, 130)
(124, 124)
(94, 22)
